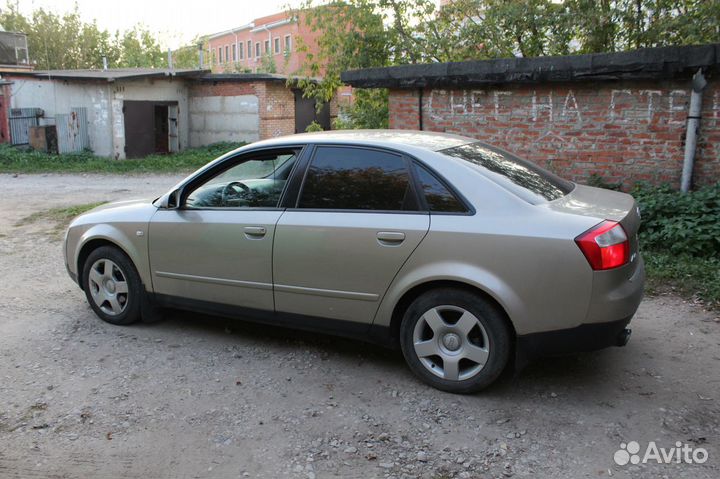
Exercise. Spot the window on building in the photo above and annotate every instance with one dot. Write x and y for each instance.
(342, 178)
(241, 51)
(257, 49)
(249, 48)
(234, 50)
(267, 46)
(220, 57)
(277, 45)
(287, 44)
(227, 53)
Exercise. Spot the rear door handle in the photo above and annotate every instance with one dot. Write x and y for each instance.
(390, 238)
(254, 232)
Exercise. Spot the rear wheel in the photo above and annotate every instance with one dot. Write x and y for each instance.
(455, 340)
(112, 286)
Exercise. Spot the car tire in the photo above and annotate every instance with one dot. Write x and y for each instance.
(455, 340)
(112, 286)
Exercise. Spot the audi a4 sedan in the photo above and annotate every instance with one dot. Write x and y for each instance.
(467, 258)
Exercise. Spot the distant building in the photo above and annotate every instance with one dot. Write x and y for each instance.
(14, 52)
(132, 112)
(268, 44)
(13, 58)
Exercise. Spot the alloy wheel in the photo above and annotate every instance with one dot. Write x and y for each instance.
(451, 343)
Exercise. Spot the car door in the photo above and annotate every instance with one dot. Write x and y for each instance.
(355, 222)
(217, 245)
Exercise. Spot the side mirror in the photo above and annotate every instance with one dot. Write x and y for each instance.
(169, 201)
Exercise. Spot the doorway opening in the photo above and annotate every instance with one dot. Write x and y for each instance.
(150, 127)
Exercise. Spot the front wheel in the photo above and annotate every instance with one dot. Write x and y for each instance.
(112, 286)
(455, 340)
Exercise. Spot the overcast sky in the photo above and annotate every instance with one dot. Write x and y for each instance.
(175, 21)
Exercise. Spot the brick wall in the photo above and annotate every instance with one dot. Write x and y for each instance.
(275, 112)
(624, 131)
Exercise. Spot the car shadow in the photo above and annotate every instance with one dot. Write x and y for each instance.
(571, 372)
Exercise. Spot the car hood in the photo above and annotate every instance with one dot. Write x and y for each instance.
(124, 211)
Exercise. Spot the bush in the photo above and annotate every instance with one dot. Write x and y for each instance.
(680, 223)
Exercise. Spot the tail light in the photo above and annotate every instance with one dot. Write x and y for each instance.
(605, 246)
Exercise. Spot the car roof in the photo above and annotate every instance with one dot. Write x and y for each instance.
(420, 139)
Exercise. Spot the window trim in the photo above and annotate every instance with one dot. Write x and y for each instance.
(469, 209)
(230, 162)
(310, 155)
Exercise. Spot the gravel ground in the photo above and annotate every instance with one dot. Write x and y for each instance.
(197, 396)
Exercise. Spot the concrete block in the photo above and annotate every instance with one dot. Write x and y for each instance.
(241, 104)
(197, 121)
(205, 104)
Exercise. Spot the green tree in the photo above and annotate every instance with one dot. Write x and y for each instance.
(377, 33)
(67, 42)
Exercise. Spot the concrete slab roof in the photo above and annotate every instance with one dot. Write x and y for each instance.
(644, 64)
(113, 74)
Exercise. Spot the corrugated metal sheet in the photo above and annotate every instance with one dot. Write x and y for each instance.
(72, 131)
(21, 119)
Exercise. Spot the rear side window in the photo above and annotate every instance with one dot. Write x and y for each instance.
(521, 177)
(343, 178)
(437, 196)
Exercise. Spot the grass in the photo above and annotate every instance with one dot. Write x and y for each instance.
(22, 160)
(691, 277)
(59, 217)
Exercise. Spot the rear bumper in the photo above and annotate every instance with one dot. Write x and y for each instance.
(583, 338)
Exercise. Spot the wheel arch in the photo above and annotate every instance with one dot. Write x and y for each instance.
(419, 289)
(107, 235)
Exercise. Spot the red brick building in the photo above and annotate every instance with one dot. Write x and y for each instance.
(622, 116)
(253, 47)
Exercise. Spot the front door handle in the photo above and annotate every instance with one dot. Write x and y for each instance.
(255, 232)
(390, 238)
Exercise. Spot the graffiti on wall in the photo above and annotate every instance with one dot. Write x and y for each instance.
(620, 105)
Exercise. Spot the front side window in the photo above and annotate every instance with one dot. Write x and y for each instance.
(267, 46)
(522, 178)
(249, 48)
(256, 182)
(341, 178)
(220, 57)
(277, 44)
(257, 49)
(287, 43)
(437, 196)
(227, 56)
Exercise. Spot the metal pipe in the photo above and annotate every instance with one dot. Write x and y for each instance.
(693, 127)
(420, 109)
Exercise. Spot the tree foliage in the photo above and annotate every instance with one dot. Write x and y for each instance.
(378, 33)
(67, 42)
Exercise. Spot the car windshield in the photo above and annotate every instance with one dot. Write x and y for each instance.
(523, 178)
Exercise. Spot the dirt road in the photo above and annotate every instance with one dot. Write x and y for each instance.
(197, 396)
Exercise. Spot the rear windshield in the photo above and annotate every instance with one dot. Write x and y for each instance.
(521, 177)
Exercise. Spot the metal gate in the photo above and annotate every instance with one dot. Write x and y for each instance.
(21, 119)
(72, 131)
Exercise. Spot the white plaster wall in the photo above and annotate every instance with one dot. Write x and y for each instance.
(147, 90)
(224, 118)
(104, 103)
(58, 97)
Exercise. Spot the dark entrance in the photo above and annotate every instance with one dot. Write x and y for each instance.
(305, 113)
(147, 127)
